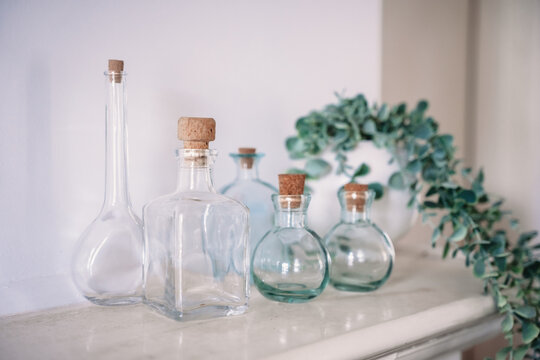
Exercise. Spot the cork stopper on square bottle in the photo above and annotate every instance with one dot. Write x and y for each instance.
(196, 132)
(247, 162)
(116, 67)
(355, 196)
(292, 185)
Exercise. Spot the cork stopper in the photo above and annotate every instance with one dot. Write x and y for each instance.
(116, 67)
(355, 196)
(246, 162)
(293, 186)
(196, 132)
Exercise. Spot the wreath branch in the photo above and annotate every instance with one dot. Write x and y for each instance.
(469, 220)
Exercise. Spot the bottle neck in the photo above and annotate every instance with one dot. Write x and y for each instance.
(195, 173)
(351, 217)
(244, 173)
(290, 218)
(356, 206)
(247, 166)
(116, 187)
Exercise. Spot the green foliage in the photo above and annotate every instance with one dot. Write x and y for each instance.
(469, 220)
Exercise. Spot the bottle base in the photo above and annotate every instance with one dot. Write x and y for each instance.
(288, 292)
(115, 301)
(356, 288)
(202, 313)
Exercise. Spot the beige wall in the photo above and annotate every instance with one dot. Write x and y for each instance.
(424, 56)
(507, 111)
(478, 63)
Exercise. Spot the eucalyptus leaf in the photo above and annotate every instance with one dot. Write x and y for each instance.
(507, 323)
(503, 353)
(526, 312)
(423, 131)
(501, 300)
(317, 168)
(459, 234)
(479, 268)
(435, 236)
(520, 352)
(362, 170)
(369, 127)
(529, 332)
(396, 181)
(414, 166)
(468, 195)
(377, 188)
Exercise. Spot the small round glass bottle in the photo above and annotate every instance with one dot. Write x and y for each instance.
(362, 254)
(107, 264)
(250, 190)
(290, 263)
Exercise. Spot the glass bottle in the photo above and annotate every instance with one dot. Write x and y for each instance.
(362, 254)
(107, 262)
(252, 192)
(290, 263)
(196, 241)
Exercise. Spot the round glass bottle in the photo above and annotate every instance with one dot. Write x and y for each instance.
(290, 263)
(250, 190)
(107, 263)
(362, 254)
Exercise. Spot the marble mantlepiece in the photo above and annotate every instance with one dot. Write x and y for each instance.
(427, 308)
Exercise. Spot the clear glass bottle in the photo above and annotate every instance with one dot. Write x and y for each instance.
(107, 262)
(362, 254)
(252, 192)
(290, 263)
(196, 241)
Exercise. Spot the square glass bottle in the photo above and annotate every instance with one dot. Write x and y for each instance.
(196, 241)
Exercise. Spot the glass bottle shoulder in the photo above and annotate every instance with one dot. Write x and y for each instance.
(292, 234)
(362, 230)
(253, 187)
(194, 199)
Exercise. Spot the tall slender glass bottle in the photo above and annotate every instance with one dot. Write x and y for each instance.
(362, 254)
(250, 190)
(107, 263)
(196, 241)
(290, 263)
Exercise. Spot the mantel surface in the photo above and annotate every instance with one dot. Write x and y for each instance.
(424, 299)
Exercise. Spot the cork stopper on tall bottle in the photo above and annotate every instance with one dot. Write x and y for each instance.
(116, 67)
(355, 196)
(246, 162)
(291, 185)
(196, 132)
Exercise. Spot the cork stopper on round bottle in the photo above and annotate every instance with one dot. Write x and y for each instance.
(116, 67)
(355, 196)
(246, 162)
(291, 185)
(196, 132)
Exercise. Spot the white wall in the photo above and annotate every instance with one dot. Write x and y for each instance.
(253, 65)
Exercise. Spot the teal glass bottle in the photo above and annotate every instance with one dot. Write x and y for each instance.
(251, 191)
(290, 263)
(362, 254)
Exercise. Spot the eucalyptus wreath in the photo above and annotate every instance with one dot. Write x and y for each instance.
(464, 217)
